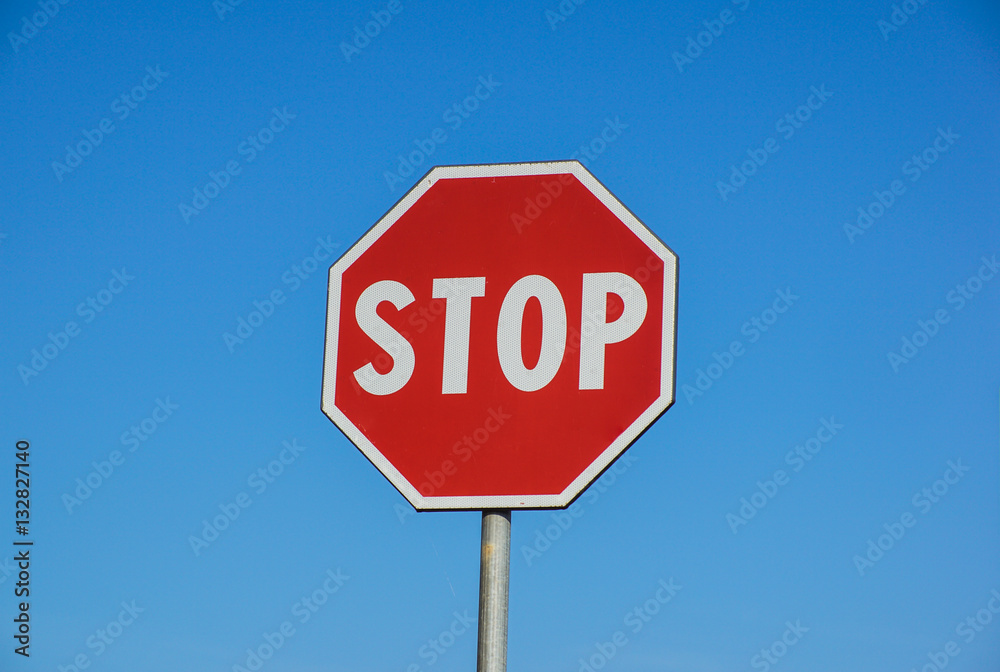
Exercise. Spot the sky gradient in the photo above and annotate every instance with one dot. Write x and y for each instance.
(826, 173)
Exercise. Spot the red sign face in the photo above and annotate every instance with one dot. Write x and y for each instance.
(500, 336)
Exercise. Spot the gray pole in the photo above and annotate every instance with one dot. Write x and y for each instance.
(494, 583)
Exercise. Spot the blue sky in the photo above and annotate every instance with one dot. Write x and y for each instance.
(107, 230)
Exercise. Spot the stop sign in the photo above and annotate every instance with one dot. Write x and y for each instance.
(500, 336)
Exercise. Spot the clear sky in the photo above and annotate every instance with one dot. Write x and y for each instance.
(165, 165)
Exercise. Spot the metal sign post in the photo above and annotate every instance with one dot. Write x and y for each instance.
(494, 586)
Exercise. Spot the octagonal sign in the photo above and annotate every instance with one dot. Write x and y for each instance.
(500, 336)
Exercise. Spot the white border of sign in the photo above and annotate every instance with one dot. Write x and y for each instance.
(617, 447)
